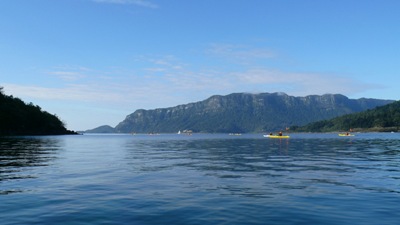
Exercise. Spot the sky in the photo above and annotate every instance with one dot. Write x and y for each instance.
(93, 62)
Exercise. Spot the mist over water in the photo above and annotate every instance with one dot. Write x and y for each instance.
(200, 179)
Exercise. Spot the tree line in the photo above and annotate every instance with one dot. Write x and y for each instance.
(19, 118)
(383, 118)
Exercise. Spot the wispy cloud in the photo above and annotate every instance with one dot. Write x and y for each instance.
(161, 63)
(82, 92)
(68, 75)
(164, 81)
(142, 3)
(173, 83)
(250, 77)
(302, 83)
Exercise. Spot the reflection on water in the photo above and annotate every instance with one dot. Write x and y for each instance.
(200, 179)
(269, 167)
(18, 155)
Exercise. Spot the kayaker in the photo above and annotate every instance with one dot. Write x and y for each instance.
(280, 133)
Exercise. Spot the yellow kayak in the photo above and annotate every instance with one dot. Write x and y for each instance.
(276, 136)
(346, 135)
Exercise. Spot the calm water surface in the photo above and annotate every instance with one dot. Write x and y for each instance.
(200, 179)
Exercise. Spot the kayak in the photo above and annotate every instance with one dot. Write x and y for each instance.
(346, 135)
(276, 136)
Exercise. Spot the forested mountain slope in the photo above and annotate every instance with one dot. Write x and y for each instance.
(244, 112)
(383, 118)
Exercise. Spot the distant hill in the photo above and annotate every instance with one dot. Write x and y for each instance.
(243, 112)
(383, 118)
(19, 118)
(102, 129)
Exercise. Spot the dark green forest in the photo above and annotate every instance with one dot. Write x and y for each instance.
(382, 118)
(19, 118)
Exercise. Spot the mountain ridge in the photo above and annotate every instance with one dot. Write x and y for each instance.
(244, 112)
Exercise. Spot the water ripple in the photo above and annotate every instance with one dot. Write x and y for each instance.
(204, 179)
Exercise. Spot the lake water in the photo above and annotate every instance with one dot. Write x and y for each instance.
(200, 179)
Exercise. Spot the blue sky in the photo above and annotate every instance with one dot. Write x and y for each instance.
(93, 62)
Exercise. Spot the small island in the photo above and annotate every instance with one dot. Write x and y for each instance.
(19, 118)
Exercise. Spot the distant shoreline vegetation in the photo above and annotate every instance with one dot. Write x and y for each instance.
(19, 118)
(380, 119)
